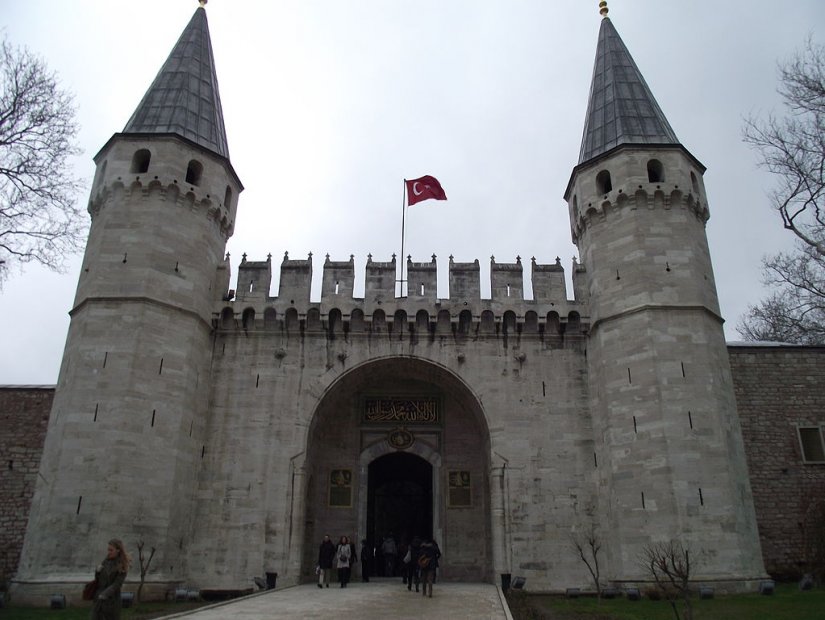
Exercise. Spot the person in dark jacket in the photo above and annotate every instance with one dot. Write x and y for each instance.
(109, 577)
(366, 561)
(413, 572)
(326, 555)
(428, 563)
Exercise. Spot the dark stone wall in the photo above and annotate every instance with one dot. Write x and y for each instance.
(779, 389)
(24, 416)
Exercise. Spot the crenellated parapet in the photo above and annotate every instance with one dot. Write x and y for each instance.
(628, 177)
(170, 170)
(463, 311)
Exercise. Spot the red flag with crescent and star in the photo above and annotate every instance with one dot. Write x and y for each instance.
(425, 188)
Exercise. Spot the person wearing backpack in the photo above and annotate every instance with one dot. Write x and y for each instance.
(428, 563)
(343, 554)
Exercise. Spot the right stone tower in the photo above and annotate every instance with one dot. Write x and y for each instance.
(669, 462)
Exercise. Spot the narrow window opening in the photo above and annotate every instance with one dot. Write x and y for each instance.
(813, 450)
(257, 380)
(603, 183)
(79, 502)
(655, 171)
(543, 389)
(227, 198)
(629, 378)
(690, 420)
(251, 285)
(105, 357)
(96, 406)
(508, 290)
(694, 182)
(160, 369)
(191, 424)
(643, 500)
(618, 277)
(11, 465)
(203, 451)
(336, 288)
(153, 418)
(595, 462)
(422, 290)
(193, 172)
(140, 161)
(635, 430)
(701, 499)
(223, 348)
(683, 370)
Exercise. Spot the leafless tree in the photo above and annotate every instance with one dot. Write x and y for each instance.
(39, 219)
(668, 565)
(144, 565)
(792, 148)
(588, 544)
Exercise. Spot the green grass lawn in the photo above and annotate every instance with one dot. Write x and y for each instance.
(787, 603)
(144, 611)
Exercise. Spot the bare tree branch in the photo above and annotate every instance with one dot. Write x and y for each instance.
(792, 149)
(39, 218)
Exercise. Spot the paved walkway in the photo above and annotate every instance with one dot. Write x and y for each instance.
(376, 600)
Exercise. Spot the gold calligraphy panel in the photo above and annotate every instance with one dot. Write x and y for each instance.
(402, 410)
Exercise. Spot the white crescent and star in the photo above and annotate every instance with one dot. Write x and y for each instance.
(415, 189)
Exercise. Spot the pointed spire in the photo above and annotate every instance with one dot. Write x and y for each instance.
(621, 109)
(184, 97)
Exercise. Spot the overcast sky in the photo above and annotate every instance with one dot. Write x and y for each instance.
(329, 104)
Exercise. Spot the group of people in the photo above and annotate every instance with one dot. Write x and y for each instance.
(419, 561)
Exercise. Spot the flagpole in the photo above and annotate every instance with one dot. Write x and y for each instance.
(403, 217)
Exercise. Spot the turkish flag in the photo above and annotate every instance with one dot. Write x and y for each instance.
(423, 189)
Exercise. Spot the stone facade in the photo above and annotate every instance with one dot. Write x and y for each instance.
(778, 390)
(230, 429)
(24, 416)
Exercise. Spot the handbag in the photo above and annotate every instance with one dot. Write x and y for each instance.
(89, 590)
(407, 557)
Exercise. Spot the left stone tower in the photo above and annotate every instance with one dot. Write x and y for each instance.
(127, 428)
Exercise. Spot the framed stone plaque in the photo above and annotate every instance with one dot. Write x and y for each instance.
(459, 489)
(340, 488)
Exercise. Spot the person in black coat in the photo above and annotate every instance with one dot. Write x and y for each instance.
(428, 563)
(366, 561)
(326, 555)
(413, 572)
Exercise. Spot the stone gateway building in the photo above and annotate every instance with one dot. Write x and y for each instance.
(231, 430)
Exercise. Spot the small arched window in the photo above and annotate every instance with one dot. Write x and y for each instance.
(422, 321)
(101, 174)
(193, 172)
(694, 182)
(655, 171)
(465, 321)
(509, 322)
(248, 318)
(140, 161)
(227, 198)
(603, 183)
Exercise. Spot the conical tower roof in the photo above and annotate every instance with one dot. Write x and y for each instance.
(621, 109)
(184, 98)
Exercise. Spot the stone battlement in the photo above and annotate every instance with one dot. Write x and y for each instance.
(249, 305)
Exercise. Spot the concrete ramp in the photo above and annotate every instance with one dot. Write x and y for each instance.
(376, 600)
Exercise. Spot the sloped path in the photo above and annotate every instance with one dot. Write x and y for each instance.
(376, 600)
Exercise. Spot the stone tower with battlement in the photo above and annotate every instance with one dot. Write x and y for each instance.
(231, 429)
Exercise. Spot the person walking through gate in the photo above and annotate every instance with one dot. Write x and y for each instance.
(344, 555)
(428, 562)
(326, 555)
(366, 561)
(390, 552)
(413, 572)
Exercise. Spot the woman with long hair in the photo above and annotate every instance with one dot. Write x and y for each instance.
(109, 577)
(344, 555)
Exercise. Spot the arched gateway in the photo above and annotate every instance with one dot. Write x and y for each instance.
(400, 446)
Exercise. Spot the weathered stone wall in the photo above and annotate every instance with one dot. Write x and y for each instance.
(779, 389)
(24, 416)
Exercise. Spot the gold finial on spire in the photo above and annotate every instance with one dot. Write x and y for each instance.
(603, 8)
(203, 2)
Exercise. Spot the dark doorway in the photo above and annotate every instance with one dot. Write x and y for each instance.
(399, 498)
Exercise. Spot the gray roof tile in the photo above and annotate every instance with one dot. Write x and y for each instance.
(621, 109)
(184, 97)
